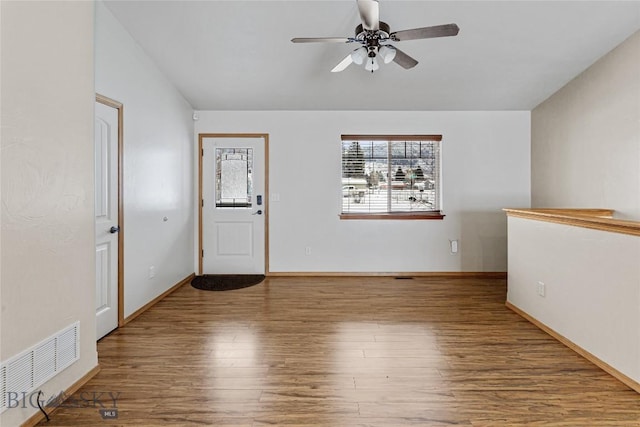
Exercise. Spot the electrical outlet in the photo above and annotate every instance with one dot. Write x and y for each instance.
(541, 289)
(152, 272)
(307, 250)
(454, 246)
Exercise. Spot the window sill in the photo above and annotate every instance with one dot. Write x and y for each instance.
(394, 215)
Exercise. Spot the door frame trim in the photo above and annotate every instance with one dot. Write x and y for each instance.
(265, 138)
(120, 108)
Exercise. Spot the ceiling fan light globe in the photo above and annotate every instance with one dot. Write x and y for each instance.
(359, 55)
(372, 64)
(387, 53)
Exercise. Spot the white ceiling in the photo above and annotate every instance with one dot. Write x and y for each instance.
(509, 55)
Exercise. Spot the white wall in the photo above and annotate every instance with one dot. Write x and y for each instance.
(486, 158)
(586, 138)
(158, 164)
(48, 261)
(592, 281)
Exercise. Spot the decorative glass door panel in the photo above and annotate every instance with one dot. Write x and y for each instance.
(234, 177)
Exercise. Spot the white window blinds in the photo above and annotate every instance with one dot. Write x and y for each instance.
(390, 174)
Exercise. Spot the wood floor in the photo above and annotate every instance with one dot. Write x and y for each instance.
(345, 352)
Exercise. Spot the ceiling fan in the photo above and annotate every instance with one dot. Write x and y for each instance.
(374, 37)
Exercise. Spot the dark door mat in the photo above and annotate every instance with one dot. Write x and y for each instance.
(226, 282)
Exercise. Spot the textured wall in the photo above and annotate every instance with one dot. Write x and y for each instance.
(585, 139)
(158, 164)
(592, 286)
(485, 167)
(48, 261)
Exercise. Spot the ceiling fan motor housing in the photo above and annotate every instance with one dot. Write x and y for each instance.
(371, 38)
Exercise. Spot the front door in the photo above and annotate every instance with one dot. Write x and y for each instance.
(106, 207)
(233, 204)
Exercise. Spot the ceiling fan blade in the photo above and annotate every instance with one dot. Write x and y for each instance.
(369, 14)
(343, 64)
(321, 40)
(404, 60)
(425, 32)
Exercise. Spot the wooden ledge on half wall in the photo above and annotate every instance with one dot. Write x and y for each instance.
(597, 219)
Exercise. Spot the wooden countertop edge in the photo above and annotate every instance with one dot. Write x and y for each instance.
(597, 219)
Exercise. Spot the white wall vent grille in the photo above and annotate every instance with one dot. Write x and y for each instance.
(44, 362)
(20, 373)
(67, 349)
(25, 372)
(3, 387)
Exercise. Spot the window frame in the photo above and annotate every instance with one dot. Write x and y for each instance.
(414, 215)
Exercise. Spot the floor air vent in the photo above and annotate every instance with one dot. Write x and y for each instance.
(24, 373)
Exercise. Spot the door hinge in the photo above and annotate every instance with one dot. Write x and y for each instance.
(202, 152)
(202, 253)
(202, 202)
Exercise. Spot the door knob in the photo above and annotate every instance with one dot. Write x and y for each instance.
(114, 229)
(258, 212)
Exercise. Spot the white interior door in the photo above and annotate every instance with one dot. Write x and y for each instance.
(233, 205)
(106, 182)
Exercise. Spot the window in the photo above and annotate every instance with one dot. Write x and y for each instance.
(391, 176)
(233, 177)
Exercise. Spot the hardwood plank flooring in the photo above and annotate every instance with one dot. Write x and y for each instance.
(369, 351)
